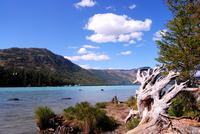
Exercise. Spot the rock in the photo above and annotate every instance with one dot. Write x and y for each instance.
(13, 99)
(115, 100)
(102, 89)
(67, 98)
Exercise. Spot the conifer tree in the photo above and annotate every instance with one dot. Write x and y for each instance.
(179, 48)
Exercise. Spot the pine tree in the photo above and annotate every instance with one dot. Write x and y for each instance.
(179, 48)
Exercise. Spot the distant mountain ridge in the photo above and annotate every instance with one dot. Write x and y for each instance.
(117, 76)
(41, 67)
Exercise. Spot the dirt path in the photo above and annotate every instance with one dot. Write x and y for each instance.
(119, 113)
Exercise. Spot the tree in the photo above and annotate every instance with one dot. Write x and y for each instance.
(154, 98)
(179, 47)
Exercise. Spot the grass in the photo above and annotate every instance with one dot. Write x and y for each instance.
(131, 124)
(132, 102)
(101, 105)
(184, 104)
(42, 115)
(93, 119)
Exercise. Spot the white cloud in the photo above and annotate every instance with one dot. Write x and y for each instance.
(110, 8)
(82, 51)
(85, 3)
(89, 56)
(126, 53)
(126, 45)
(91, 46)
(158, 35)
(85, 54)
(110, 27)
(132, 6)
(72, 58)
(72, 47)
(87, 66)
(100, 38)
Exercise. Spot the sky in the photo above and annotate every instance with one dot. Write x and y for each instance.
(98, 34)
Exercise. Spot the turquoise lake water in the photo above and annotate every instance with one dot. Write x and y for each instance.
(17, 117)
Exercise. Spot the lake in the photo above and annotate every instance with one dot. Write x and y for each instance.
(17, 117)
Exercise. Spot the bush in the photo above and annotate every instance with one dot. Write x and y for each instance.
(198, 104)
(131, 124)
(105, 123)
(93, 119)
(101, 105)
(42, 115)
(132, 102)
(184, 104)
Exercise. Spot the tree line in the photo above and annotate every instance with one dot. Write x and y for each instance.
(16, 77)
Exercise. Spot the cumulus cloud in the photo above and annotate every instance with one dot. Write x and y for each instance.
(85, 3)
(132, 6)
(126, 52)
(110, 27)
(158, 35)
(85, 54)
(89, 56)
(82, 50)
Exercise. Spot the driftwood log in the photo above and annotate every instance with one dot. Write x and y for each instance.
(154, 98)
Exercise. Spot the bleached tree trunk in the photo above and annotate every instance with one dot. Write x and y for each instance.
(154, 97)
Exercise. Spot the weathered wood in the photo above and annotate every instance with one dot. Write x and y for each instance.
(154, 98)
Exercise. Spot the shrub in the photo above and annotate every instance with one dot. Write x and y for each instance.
(132, 102)
(131, 124)
(184, 104)
(105, 123)
(101, 105)
(92, 118)
(42, 115)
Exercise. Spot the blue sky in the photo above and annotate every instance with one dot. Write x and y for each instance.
(92, 33)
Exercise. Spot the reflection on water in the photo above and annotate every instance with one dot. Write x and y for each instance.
(17, 117)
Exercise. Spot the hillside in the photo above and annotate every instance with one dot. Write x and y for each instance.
(116, 76)
(41, 67)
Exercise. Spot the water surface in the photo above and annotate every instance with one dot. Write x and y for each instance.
(17, 117)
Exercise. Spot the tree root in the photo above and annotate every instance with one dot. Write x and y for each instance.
(166, 125)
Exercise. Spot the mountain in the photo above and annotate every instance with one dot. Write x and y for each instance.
(41, 67)
(116, 76)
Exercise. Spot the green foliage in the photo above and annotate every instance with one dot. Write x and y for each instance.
(132, 102)
(179, 48)
(43, 114)
(101, 105)
(198, 104)
(131, 124)
(184, 104)
(92, 118)
(29, 77)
